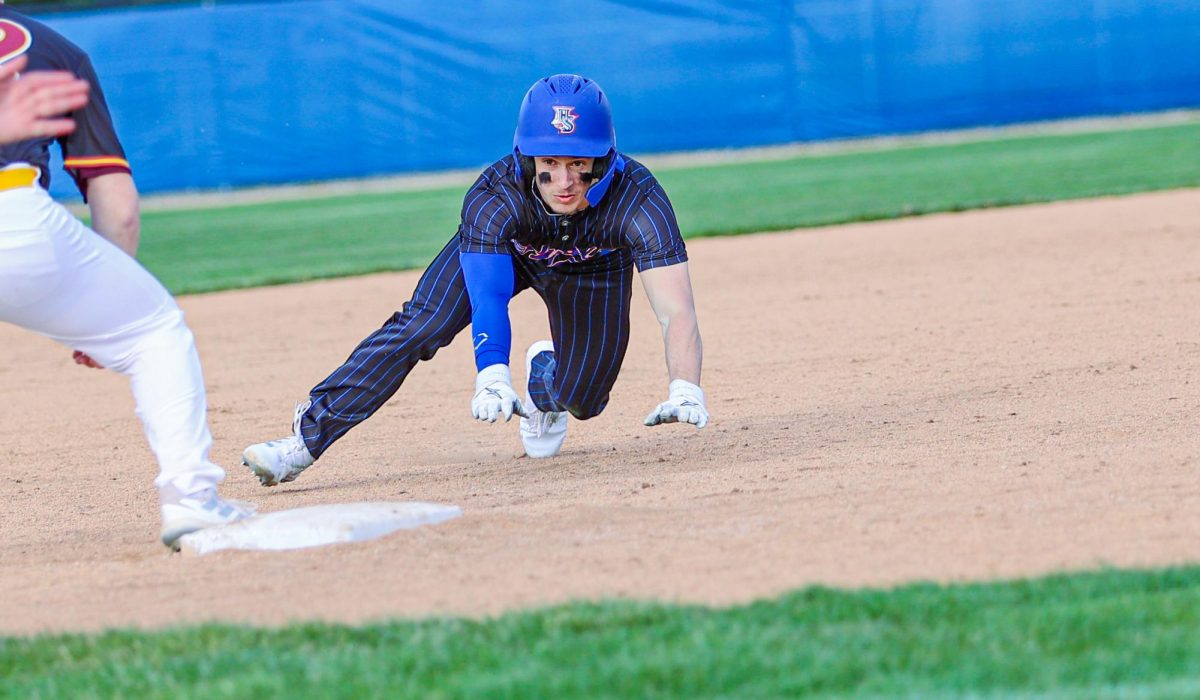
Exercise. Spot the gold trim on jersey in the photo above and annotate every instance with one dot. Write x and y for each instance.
(95, 162)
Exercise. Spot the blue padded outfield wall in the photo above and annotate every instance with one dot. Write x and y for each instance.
(268, 92)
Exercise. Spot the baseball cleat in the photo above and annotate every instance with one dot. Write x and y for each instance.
(277, 461)
(185, 514)
(282, 460)
(542, 432)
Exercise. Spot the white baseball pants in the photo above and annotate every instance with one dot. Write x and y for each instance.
(66, 282)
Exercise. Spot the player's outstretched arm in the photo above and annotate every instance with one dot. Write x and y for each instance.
(32, 105)
(490, 280)
(669, 290)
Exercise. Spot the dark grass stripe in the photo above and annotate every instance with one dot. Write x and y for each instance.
(1105, 634)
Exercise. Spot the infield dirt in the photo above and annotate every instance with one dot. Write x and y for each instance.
(970, 396)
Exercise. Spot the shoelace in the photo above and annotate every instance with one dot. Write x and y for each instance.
(301, 409)
(293, 452)
(546, 420)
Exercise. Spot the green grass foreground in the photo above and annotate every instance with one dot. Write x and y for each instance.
(251, 245)
(1111, 634)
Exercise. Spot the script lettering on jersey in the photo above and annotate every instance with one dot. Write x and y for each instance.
(554, 256)
(14, 40)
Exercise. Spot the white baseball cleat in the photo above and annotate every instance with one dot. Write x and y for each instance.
(182, 515)
(277, 461)
(282, 460)
(542, 432)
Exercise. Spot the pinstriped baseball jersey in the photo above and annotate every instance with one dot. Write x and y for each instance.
(93, 149)
(634, 222)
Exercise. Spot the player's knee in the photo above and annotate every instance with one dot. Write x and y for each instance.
(416, 329)
(584, 411)
(170, 332)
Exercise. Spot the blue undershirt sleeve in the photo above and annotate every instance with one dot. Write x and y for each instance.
(490, 281)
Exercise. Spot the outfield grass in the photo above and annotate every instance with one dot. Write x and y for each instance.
(253, 245)
(1111, 634)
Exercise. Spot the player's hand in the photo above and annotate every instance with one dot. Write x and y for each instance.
(34, 104)
(684, 404)
(494, 395)
(82, 358)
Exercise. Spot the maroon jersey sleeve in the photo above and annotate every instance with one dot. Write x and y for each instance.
(93, 149)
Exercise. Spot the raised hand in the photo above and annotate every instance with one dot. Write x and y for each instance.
(33, 105)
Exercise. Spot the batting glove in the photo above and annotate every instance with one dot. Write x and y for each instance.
(684, 404)
(494, 395)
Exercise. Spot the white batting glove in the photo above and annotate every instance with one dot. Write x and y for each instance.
(684, 404)
(494, 395)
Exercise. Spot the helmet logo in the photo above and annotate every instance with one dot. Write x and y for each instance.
(564, 119)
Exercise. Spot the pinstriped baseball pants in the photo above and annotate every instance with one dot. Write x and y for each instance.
(589, 323)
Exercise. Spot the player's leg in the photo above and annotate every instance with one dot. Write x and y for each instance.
(66, 282)
(589, 326)
(574, 373)
(438, 311)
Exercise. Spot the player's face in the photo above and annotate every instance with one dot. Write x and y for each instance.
(561, 182)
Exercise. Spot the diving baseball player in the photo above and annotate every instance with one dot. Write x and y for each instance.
(83, 288)
(567, 215)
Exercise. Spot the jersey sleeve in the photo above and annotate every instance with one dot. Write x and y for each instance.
(93, 149)
(653, 233)
(487, 223)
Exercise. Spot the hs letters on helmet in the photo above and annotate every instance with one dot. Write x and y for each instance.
(564, 119)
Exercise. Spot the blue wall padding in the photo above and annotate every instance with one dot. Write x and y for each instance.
(271, 92)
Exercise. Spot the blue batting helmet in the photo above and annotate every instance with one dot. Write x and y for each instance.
(565, 115)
